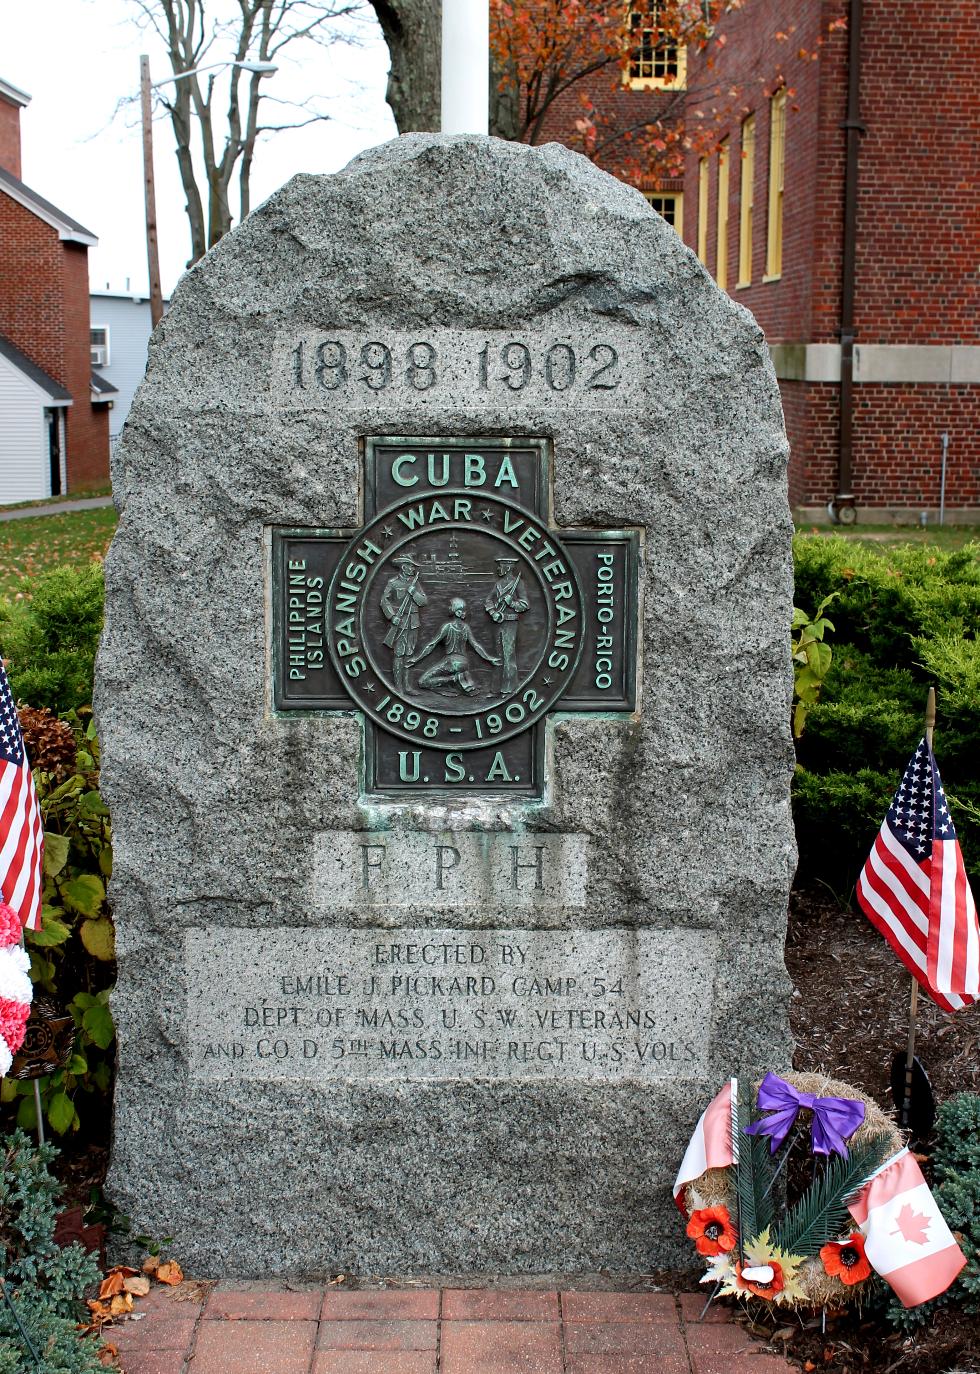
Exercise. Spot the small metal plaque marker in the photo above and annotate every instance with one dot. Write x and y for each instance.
(457, 618)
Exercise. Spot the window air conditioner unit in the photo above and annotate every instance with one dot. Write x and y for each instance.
(98, 352)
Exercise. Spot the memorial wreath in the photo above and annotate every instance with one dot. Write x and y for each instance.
(780, 1186)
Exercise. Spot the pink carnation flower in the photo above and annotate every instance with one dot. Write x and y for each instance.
(9, 926)
(13, 1022)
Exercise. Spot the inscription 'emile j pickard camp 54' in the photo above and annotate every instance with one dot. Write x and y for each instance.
(457, 618)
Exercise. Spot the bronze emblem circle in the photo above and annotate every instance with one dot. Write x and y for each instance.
(455, 619)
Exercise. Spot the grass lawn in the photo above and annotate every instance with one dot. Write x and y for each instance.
(945, 537)
(32, 546)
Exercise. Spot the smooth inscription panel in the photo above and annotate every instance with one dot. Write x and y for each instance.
(591, 370)
(452, 870)
(601, 1005)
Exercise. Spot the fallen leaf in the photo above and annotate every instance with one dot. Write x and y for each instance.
(809, 1367)
(108, 1355)
(122, 1302)
(111, 1285)
(139, 1285)
(193, 1290)
(151, 1264)
(170, 1273)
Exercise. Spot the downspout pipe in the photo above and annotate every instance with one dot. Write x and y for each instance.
(843, 503)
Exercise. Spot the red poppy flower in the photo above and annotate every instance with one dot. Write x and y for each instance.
(763, 1290)
(712, 1230)
(847, 1261)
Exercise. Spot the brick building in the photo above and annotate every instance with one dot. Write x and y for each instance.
(54, 423)
(767, 217)
(652, 87)
(773, 183)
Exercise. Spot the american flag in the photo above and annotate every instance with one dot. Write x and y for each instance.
(914, 889)
(21, 835)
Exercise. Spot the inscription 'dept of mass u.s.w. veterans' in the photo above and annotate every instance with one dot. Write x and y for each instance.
(456, 618)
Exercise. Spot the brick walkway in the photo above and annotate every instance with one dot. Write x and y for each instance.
(248, 1329)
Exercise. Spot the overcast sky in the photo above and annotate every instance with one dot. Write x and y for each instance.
(77, 58)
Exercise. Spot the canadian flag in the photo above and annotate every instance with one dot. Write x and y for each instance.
(711, 1143)
(906, 1238)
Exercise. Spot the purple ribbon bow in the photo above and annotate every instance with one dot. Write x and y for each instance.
(833, 1117)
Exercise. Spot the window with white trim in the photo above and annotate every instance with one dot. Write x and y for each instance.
(98, 338)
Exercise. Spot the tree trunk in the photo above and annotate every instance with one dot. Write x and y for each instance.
(505, 104)
(413, 32)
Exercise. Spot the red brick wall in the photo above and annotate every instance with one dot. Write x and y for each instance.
(44, 311)
(918, 223)
(88, 425)
(32, 310)
(755, 62)
(897, 444)
(10, 137)
(622, 109)
(918, 230)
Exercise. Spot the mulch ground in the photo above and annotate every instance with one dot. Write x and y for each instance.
(849, 1016)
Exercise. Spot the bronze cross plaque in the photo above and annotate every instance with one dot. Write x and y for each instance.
(456, 619)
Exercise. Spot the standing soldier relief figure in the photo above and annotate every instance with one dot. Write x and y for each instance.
(505, 603)
(400, 602)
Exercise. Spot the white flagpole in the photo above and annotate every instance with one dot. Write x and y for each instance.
(465, 66)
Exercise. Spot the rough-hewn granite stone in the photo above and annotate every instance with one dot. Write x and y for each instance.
(219, 806)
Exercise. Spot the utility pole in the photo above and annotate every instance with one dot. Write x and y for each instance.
(152, 250)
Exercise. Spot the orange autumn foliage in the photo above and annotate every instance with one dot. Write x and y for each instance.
(542, 49)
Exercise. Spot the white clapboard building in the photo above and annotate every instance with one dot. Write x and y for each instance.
(120, 333)
(32, 435)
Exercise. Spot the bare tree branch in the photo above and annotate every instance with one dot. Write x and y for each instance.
(195, 33)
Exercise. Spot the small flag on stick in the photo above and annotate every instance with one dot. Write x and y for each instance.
(914, 888)
(21, 833)
(907, 1239)
(711, 1143)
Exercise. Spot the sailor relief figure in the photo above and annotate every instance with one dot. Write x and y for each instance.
(505, 603)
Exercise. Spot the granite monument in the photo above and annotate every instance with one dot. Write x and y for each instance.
(444, 700)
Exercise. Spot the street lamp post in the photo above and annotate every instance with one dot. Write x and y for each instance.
(149, 188)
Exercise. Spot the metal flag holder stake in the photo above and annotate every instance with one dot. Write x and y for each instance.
(911, 1089)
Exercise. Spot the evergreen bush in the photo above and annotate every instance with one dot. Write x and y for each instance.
(73, 952)
(905, 618)
(50, 640)
(45, 1284)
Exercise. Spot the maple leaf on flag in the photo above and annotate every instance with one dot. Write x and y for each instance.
(914, 1227)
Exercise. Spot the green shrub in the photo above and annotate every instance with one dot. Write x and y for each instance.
(45, 1284)
(906, 618)
(956, 1185)
(50, 641)
(73, 953)
(837, 816)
